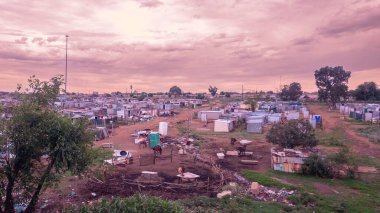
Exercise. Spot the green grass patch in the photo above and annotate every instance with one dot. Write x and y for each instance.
(357, 122)
(137, 203)
(354, 196)
(371, 132)
(336, 137)
(365, 160)
(264, 179)
(233, 204)
(98, 155)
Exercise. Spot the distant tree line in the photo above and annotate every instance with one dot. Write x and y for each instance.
(367, 91)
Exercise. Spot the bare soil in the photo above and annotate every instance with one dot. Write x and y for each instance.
(332, 119)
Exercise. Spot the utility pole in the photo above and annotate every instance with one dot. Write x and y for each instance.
(242, 92)
(67, 38)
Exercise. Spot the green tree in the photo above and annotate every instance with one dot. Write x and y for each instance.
(142, 96)
(291, 92)
(175, 90)
(213, 90)
(200, 96)
(43, 145)
(292, 134)
(252, 104)
(368, 91)
(332, 84)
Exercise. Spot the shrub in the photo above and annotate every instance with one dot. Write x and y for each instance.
(342, 157)
(137, 203)
(303, 199)
(317, 166)
(292, 134)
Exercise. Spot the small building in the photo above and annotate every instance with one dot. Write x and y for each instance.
(274, 118)
(289, 160)
(255, 126)
(211, 115)
(222, 125)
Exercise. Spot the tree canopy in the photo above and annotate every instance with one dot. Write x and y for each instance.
(292, 134)
(213, 90)
(368, 91)
(291, 92)
(42, 144)
(332, 84)
(251, 103)
(175, 90)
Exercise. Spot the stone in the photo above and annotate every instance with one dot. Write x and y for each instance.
(255, 188)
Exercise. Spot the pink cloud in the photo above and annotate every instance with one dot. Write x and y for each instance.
(149, 3)
(192, 44)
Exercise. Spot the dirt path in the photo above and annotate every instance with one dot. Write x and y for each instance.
(332, 119)
(122, 139)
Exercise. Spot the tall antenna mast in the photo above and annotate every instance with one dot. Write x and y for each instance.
(67, 37)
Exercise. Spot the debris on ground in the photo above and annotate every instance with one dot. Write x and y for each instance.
(223, 194)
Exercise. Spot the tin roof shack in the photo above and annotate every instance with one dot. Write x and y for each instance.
(210, 115)
(255, 126)
(289, 160)
(221, 125)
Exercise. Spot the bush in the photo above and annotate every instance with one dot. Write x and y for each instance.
(303, 199)
(317, 166)
(292, 134)
(137, 203)
(342, 157)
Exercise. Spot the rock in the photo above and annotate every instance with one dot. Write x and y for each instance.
(223, 194)
(233, 184)
(232, 153)
(255, 188)
(93, 194)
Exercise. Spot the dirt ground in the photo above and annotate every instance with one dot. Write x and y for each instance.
(76, 191)
(333, 119)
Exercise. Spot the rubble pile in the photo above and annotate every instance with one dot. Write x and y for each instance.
(270, 194)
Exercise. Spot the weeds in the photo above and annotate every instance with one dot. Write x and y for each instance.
(336, 137)
(137, 203)
(264, 179)
(371, 132)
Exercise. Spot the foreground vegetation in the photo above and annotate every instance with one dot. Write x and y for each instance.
(144, 204)
(344, 195)
(371, 132)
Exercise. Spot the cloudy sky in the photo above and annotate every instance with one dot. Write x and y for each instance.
(154, 44)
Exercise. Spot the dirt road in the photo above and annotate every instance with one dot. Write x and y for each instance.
(332, 119)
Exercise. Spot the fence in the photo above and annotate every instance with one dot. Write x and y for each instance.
(150, 159)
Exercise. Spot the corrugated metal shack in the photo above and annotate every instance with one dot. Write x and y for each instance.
(360, 111)
(289, 160)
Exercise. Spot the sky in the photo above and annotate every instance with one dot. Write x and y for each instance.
(155, 44)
